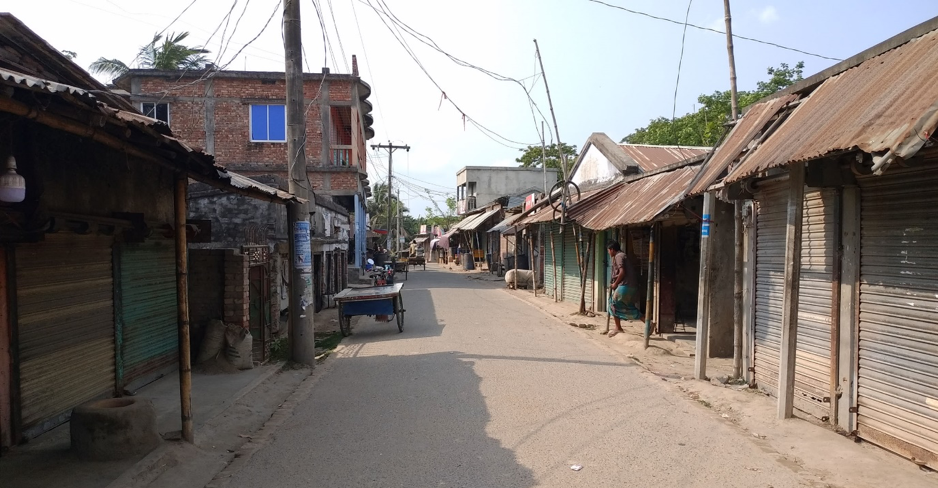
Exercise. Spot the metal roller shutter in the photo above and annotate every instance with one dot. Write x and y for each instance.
(65, 324)
(897, 389)
(147, 310)
(571, 267)
(552, 249)
(819, 240)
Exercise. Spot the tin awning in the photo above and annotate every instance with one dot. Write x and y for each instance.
(479, 219)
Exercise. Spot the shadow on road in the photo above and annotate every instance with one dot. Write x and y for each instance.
(415, 420)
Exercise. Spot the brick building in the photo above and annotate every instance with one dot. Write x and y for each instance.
(240, 118)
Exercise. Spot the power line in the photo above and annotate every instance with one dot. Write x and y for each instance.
(644, 14)
(338, 37)
(399, 38)
(677, 82)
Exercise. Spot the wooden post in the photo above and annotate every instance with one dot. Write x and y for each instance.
(649, 294)
(786, 374)
(532, 262)
(553, 255)
(749, 288)
(182, 309)
(738, 290)
(849, 300)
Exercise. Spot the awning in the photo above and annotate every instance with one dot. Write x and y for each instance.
(506, 224)
(481, 219)
(459, 225)
(434, 244)
(739, 138)
(885, 104)
(634, 202)
(420, 240)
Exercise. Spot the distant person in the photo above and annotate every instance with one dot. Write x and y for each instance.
(413, 248)
(624, 288)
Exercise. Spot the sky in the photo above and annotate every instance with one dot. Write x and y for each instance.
(608, 70)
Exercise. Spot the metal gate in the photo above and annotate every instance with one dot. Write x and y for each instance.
(146, 313)
(259, 308)
(572, 246)
(65, 326)
(552, 259)
(897, 388)
(819, 241)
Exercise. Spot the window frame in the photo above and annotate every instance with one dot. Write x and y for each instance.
(169, 116)
(251, 122)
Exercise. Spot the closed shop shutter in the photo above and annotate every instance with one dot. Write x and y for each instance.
(552, 249)
(147, 315)
(897, 389)
(819, 238)
(571, 272)
(65, 323)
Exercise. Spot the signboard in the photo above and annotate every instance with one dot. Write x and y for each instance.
(705, 227)
(304, 258)
(423, 228)
(528, 201)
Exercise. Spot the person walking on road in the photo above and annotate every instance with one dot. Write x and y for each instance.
(624, 288)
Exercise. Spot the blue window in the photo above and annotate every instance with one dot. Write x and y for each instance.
(268, 123)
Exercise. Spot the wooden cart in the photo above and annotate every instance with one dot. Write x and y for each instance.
(373, 300)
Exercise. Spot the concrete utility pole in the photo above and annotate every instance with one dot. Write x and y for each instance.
(391, 148)
(301, 276)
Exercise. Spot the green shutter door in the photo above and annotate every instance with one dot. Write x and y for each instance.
(147, 312)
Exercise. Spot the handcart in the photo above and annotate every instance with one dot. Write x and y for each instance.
(373, 300)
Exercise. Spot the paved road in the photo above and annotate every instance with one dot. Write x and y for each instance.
(483, 390)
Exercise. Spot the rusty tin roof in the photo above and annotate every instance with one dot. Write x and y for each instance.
(633, 202)
(650, 157)
(743, 133)
(886, 103)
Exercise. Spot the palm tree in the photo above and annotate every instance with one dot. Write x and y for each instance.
(163, 53)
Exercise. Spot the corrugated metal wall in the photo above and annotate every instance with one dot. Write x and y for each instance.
(65, 323)
(571, 267)
(147, 315)
(819, 237)
(552, 254)
(897, 389)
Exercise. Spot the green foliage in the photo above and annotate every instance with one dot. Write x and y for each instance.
(162, 53)
(705, 126)
(280, 349)
(532, 156)
(378, 207)
(69, 54)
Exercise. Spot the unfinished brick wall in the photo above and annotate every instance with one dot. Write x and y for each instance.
(206, 291)
(237, 300)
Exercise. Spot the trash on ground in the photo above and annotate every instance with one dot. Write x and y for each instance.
(576, 467)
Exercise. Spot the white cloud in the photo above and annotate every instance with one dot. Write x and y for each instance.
(768, 15)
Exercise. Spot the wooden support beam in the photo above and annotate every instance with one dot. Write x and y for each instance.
(182, 308)
(786, 375)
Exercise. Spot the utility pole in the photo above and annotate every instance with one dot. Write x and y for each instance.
(391, 148)
(737, 216)
(398, 236)
(563, 158)
(544, 159)
(301, 276)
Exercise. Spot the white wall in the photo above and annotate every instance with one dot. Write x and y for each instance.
(594, 170)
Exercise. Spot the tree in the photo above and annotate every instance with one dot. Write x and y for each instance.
(71, 55)
(378, 207)
(163, 53)
(705, 126)
(532, 156)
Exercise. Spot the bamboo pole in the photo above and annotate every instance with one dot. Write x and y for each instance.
(553, 254)
(182, 309)
(648, 291)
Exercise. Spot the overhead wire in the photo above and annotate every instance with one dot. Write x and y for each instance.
(485, 130)
(374, 94)
(677, 82)
(338, 37)
(664, 19)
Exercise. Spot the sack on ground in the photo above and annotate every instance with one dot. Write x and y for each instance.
(239, 347)
(524, 277)
(213, 341)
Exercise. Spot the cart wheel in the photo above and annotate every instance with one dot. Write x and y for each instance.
(400, 314)
(345, 323)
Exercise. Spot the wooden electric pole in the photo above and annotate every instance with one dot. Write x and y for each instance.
(391, 148)
(301, 283)
(563, 157)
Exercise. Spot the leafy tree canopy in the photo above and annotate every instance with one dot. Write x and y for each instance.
(532, 156)
(705, 126)
(163, 53)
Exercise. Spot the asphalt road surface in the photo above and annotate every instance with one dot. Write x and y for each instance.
(484, 390)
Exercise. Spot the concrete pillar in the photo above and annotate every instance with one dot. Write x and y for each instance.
(722, 265)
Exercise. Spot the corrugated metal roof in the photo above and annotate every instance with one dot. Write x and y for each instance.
(504, 225)
(34, 83)
(459, 225)
(244, 183)
(481, 219)
(634, 202)
(739, 138)
(650, 157)
(889, 102)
